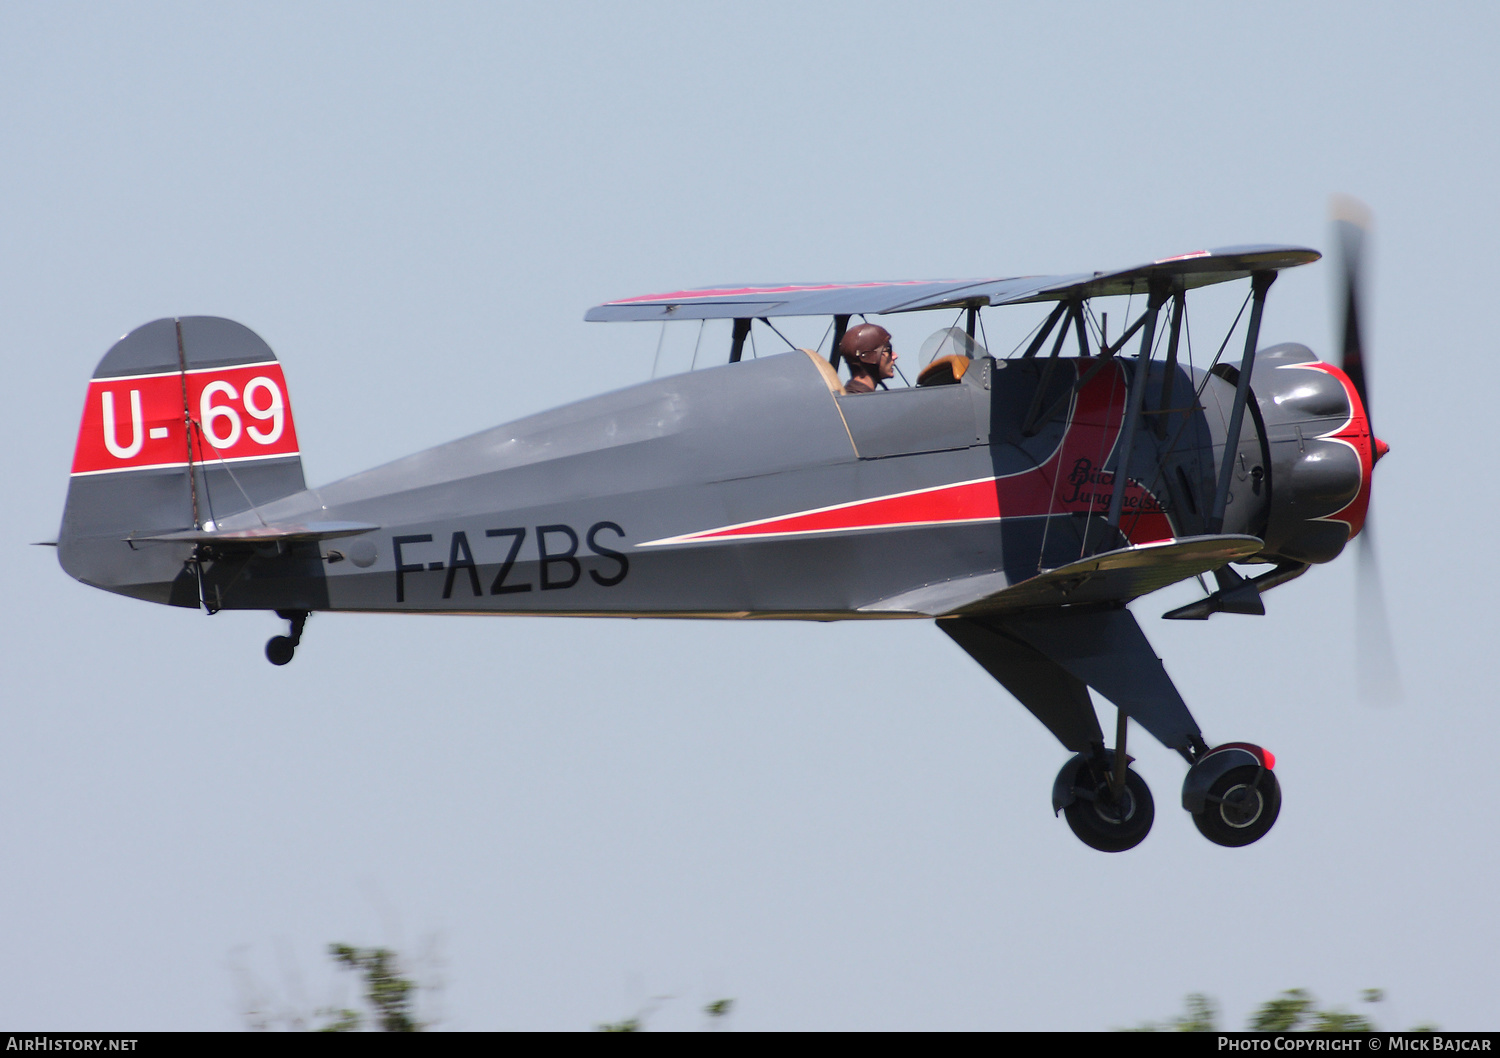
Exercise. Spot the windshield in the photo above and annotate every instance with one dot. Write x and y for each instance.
(950, 341)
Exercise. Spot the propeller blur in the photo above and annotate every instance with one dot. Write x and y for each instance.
(1379, 674)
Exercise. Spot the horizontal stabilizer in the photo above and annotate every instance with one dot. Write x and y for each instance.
(1114, 576)
(261, 534)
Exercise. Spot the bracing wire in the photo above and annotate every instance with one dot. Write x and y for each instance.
(1092, 325)
(1121, 476)
(208, 496)
(1222, 346)
(224, 465)
(659, 339)
(1161, 466)
(1187, 334)
(195, 435)
(1024, 341)
(701, 324)
(783, 337)
(1098, 327)
(1135, 517)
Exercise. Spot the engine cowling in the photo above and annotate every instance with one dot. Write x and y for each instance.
(1319, 450)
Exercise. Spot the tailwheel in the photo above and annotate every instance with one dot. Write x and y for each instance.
(1242, 807)
(281, 649)
(1232, 794)
(1101, 818)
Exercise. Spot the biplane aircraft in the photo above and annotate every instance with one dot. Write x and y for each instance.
(1021, 503)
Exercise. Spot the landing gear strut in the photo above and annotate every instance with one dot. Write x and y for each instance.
(1051, 660)
(280, 649)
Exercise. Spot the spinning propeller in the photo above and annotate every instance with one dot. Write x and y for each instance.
(1379, 680)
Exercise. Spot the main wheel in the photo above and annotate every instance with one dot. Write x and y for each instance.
(1242, 807)
(279, 650)
(1101, 822)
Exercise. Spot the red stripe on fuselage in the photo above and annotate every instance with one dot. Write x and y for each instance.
(1070, 481)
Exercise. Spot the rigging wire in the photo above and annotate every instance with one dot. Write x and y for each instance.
(783, 337)
(1041, 554)
(1224, 345)
(659, 339)
(701, 324)
(1102, 455)
(1139, 512)
(208, 496)
(1058, 470)
(1099, 335)
(224, 465)
(1161, 466)
(1029, 335)
(1187, 333)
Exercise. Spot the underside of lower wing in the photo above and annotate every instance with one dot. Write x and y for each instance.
(1114, 576)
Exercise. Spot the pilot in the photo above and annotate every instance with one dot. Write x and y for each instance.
(867, 350)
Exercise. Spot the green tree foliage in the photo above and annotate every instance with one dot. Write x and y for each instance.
(1199, 1015)
(716, 1012)
(389, 994)
(628, 1025)
(1295, 1010)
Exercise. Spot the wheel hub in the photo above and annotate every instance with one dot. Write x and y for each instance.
(1114, 811)
(1241, 806)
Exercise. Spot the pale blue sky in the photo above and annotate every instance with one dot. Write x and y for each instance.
(414, 205)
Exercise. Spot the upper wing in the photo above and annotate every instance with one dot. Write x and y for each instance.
(1200, 268)
(789, 299)
(1196, 269)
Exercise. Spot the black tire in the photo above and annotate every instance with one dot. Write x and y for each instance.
(1102, 824)
(1242, 807)
(279, 650)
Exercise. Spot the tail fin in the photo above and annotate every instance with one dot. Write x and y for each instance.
(187, 421)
